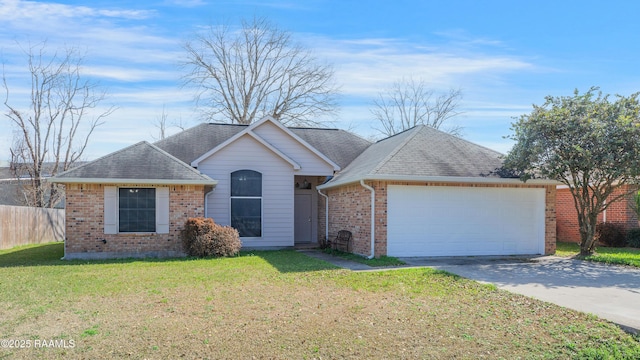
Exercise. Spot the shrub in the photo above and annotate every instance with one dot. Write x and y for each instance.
(633, 238)
(611, 234)
(202, 237)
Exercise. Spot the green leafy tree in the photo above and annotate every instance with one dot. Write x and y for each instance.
(587, 142)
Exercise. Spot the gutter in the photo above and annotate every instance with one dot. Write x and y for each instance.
(447, 179)
(326, 214)
(373, 218)
(132, 181)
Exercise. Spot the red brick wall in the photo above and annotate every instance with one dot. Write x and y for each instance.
(349, 209)
(550, 235)
(85, 224)
(618, 212)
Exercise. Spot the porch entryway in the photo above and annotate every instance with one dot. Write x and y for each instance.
(305, 210)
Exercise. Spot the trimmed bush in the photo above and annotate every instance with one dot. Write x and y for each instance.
(633, 238)
(202, 237)
(610, 234)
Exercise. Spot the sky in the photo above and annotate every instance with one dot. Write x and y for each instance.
(504, 56)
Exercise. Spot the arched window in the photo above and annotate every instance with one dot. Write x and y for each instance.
(246, 202)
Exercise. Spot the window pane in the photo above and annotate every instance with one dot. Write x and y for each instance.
(246, 183)
(137, 210)
(246, 216)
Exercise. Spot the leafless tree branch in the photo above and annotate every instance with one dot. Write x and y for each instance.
(244, 75)
(54, 128)
(410, 102)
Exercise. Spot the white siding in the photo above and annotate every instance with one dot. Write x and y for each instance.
(277, 189)
(310, 163)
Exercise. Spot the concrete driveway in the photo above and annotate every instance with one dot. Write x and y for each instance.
(608, 291)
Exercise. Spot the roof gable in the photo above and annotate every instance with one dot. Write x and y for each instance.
(141, 162)
(254, 131)
(339, 146)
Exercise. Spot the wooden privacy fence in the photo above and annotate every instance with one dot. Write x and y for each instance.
(22, 225)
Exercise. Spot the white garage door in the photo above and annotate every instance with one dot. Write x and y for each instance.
(462, 221)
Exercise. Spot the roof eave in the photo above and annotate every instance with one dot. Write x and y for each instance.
(132, 181)
(442, 179)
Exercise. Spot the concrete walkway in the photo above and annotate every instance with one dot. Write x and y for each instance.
(608, 291)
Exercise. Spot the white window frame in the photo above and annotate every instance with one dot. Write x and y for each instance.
(231, 197)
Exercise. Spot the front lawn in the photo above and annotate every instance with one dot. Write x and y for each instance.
(381, 261)
(609, 255)
(278, 304)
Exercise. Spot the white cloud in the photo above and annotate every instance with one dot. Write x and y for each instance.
(128, 73)
(137, 63)
(18, 11)
(365, 66)
(186, 3)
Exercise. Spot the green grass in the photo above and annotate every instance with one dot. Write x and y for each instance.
(609, 255)
(375, 262)
(279, 304)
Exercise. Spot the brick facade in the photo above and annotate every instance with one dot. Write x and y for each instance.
(350, 206)
(350, 209)
(85, 237)
(618, 212)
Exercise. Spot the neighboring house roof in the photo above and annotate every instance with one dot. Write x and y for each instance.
(138, 163)
(339, 146)
(6, 173)
(423, 153)
(10, 192)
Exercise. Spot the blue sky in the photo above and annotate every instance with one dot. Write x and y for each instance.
(503, 55)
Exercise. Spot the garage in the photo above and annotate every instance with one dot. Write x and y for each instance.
(465, 221)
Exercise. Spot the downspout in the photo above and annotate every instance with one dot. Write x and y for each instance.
(326, 215)
(373, 218)
(206, 202)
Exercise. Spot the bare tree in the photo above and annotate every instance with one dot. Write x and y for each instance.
(408, 103)
(161, 124)
(54, 124)
(257, 71)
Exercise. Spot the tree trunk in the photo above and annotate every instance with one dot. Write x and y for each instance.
(588, 224)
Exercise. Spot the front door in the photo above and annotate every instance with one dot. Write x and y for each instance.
(302, 218)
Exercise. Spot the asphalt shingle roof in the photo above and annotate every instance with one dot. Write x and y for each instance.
(141, 161)
(338, 145)
(422, 152)
(191, 143)
(419, 152)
